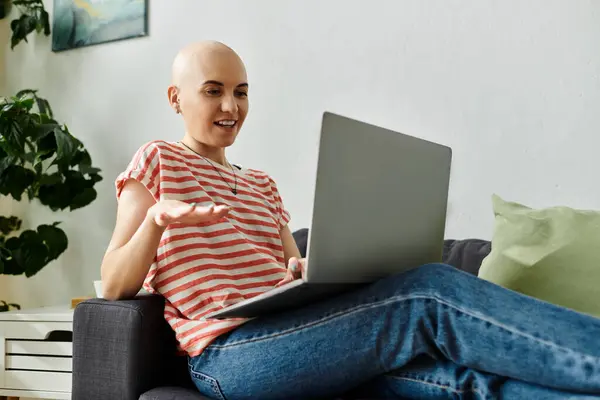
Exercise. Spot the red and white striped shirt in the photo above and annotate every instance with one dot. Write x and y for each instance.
(201, 268)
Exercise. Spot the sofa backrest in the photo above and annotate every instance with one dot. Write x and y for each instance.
(465, 255)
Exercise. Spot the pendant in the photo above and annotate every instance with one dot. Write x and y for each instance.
(234, 191)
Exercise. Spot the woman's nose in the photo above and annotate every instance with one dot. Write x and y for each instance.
(229, 104)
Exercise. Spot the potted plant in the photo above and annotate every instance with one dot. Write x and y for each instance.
(40, 159)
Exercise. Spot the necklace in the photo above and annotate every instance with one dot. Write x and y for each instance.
(233, 189)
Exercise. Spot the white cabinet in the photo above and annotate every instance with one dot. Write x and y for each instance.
(36, 353)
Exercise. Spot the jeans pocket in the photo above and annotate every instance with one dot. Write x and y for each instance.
(207, 385)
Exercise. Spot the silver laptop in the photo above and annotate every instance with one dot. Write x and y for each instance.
(379, 209)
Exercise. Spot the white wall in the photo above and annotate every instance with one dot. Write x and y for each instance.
(513, 86)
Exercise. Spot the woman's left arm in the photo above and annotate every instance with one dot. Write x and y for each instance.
(296, 266)
(290, 248)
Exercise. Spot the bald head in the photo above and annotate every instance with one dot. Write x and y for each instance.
(195, 61)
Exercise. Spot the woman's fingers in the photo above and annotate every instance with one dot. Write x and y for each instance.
(288, 278)
(213, 213)
(294, 267)
(183, 211)
(191, 214)
(162, 219)
(221, 210)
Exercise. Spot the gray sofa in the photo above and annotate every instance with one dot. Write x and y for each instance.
(124, 350)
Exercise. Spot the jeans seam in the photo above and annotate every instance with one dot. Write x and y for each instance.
(438, 385)
(214, 384)
(394, 299)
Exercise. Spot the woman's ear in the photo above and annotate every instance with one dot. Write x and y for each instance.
(173, 93)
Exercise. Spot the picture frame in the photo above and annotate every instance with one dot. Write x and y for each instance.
(82, 23)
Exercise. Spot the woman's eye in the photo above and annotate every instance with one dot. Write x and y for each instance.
(242, 94)
(213, 92)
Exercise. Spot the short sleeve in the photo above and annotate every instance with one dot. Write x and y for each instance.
(144, 167)
(283, 216)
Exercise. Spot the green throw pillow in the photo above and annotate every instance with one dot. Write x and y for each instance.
(552, 254)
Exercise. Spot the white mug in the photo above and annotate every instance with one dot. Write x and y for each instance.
(98, 289)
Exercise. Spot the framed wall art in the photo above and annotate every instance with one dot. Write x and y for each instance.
(79, 23)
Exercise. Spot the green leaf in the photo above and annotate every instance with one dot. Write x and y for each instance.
(43, 130)
(80, 188)
(75, 180)
(83, 198)
(15, 180)
(12, 244)
(22, 27)
(44, 106)
(82, 157)
(46, 146)
(10, 224)
(11, 265)
(4, 306)
(33, 254)
(87, 170)
(38, 167)
(66, 146)
(29, 157)
(4, 252)
(13, 139)
(15, 25)
(95, 178)
(56, 196)
(6, 160)
(29, 253)
(33, 250)
(74, 192)
(51, 179)
(25, 92)
(27, 103)
(26, 3)
(84, 161)
(45, 22)
(5, 255)
(55, 240)
(6, 108)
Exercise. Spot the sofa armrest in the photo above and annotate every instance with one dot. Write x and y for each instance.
(121, 349)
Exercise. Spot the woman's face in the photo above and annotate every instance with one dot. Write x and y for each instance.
(213, 98)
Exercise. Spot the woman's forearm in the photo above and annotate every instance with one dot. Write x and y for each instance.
(125, 268)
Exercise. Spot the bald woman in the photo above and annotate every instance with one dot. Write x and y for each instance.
(205, 233)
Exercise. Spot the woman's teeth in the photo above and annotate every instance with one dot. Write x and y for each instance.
(226, 123)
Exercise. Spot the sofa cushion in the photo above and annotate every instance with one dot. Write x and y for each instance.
(551, 254)
(172, 393)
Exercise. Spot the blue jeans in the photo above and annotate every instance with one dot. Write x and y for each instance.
(431, 333)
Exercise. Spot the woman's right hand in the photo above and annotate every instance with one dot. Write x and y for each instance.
(168, 212)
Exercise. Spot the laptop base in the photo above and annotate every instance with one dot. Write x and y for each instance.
(295, 294)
